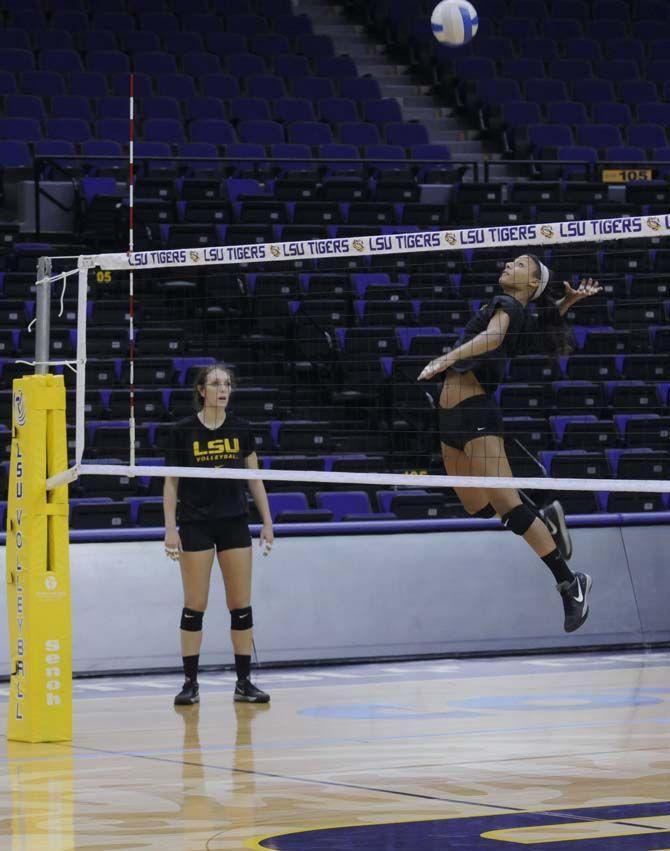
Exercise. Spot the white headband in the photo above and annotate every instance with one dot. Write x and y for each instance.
(544, 280)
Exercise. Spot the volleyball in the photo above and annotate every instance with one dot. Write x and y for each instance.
(454, 22)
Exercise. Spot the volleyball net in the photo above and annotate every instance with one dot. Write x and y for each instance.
(326, 338)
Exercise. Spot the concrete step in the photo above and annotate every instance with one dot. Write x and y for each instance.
(460, 148)
(426, 114)
(424, 102)
(378, 69)
(397, 89)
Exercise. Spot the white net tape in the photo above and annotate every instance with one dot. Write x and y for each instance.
(557, 233)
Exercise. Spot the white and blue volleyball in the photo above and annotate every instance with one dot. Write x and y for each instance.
(454, 22)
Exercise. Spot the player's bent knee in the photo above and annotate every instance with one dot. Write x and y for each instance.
(518, 520)
(487, 511)
(241, 618)
(191, 620)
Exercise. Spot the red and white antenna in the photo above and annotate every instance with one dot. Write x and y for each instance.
(131, 278)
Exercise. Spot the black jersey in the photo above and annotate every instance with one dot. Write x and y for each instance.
(193, 445)
(489, 369)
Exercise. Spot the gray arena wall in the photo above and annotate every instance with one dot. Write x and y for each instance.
(392, 590)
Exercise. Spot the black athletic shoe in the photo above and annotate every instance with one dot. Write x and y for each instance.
(189, 694)
(575, 600)
(554, 519)
(247, 692)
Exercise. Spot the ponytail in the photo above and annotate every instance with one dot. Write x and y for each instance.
(555, 337)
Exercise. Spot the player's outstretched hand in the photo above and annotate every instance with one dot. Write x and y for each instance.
(587, 287)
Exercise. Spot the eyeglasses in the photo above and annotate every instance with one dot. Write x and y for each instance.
(218, 384)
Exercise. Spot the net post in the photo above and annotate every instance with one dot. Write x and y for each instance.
(43, 315)
(37, 567)
(80, 412)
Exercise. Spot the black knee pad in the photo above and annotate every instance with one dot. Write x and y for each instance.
(241, 618)
(518, 520)
(191, 621)
(487, 511)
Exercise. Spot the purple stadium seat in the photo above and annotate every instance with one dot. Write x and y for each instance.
(314, 46)
(247, 24)
(249, 109)
(529, 8)
(659, 49)
(14, 154)
(16, 60)
(570, 69)
(583, 48)
(138, 42)
(522, 69)
(7, 83)
(224, 43)
(272, 8)
(213, 131)
(154, 149)
(382, 111)
(71, 106)
(289, 110)
(198, 149)
(360, 88)
(199, 64)
(650, 9)
(651, 29)
(406, 134)
(499, 90)
(293, 25)
(385, 157)
(654, 113)
(179, 86)
(476, 68)
(245, 64)
(180, 43)
(56, 148)
(599, 135)
(593, 91)
(117, 22)
(20, 129)
(299, 157)
(498, 48)
(647, 136)
(309, 133)
(159, 22)
(544, 90)
(517, 28)
(617, 69)
(549, 135)
(579, 154)
(42, 83)
(107, 62)
(573, 8)
(517, 113)
(60, 61)
(270, 44)
(340, 152)
(611, 9)
(116, 129)
(88, 84)
(611, 113)
(68, 129)
(25, 106)
(348, 505)
(266, 86)
(161, 107)
(625, 49)
(104, 148)
(163, 130)
(566, 112)
(638, 91)
(113, 107)
(625, 153)
(359, 133)
(262, 132)
(223, 86)
(204, 107)
(155, 63)
(291, 66)
(312, 88)
(14, 39)
(542, 47)
(69, 20)
(336, 67)
(338, 110)
(606, 29)
(562, 28)
(204, 23)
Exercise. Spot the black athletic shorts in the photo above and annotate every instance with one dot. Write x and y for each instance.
(224, 533)
(474, 417)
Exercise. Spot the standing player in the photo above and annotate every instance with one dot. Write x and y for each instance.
(471, 424)
(212, 518)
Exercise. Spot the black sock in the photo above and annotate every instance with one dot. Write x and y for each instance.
(557, 565)
(191, 667)
(242, 666)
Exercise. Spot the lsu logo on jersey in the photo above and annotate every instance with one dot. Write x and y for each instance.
(221, 449)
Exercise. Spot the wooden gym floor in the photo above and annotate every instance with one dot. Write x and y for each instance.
(539, 753)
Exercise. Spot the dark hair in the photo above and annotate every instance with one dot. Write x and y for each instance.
(555, 337)
(201, 379)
